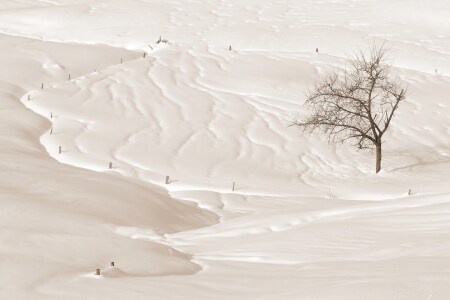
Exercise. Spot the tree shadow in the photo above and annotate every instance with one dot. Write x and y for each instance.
(421, 163)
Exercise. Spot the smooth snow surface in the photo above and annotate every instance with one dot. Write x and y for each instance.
(307, 220)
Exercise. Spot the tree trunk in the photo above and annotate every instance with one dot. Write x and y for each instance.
(378, 158)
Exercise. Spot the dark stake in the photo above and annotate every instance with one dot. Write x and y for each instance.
(229, 49)
(121, 60)
(42, 86)
(317, 50)
(112, 264)
(59, 150)
(110, 165)
(51, 115)
(145, 54)
(29, 97)
(69, 76)
(97, 272)
(167, 179)
(233, 186)
(51, 130)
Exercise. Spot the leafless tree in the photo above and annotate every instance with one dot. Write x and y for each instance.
(355, 105)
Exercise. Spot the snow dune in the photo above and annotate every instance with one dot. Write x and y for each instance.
(306, 220)
(58, 219)
(188, 115)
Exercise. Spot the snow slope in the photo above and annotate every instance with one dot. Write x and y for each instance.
(307, 220)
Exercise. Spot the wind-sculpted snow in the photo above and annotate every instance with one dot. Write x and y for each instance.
(201, 118)
(306, 220)
(59, 222)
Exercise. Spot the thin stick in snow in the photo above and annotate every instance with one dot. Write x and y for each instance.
(29, 97)
(233, 188)
(167, 179)
(110, 165)
(51, 130)
(112, 264)
(97, 272)
(59, 150)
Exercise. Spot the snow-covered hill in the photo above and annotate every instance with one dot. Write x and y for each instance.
(307, 220)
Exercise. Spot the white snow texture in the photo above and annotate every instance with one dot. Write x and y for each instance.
(95, 113)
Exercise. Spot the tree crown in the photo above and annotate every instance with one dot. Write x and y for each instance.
(355, 104)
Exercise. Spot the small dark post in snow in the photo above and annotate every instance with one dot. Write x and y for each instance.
(110, 165)
(51, 115)
(42, 86)
(234, 184)
(167, 179)
(59, 150)
(145, 54)
(112, 264)
(69, 76)
(409, 192)
(317, 50)
(29, 97)
(121, 60)
(229, 49)
(97, 272)
(51, 130)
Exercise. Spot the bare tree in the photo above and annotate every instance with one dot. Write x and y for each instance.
(355, 105)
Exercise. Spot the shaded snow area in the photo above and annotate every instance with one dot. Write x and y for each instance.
(94, 114)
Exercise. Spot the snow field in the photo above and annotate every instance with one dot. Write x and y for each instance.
(306, 220)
